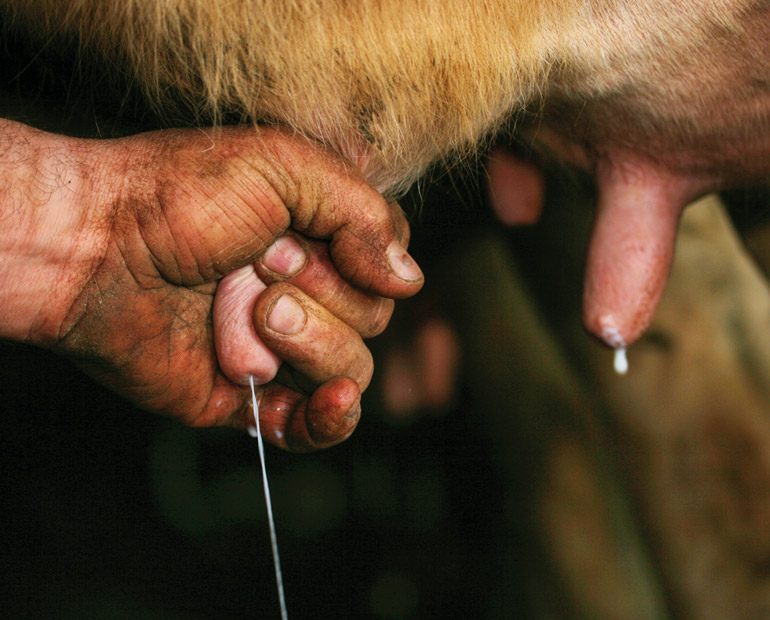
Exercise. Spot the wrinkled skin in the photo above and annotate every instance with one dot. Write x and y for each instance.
(149, 224)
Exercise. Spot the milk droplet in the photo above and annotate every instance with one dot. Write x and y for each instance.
(621, 361)
(268, 502)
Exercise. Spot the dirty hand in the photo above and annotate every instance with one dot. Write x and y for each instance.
(112, 250)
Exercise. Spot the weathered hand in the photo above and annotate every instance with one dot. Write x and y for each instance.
(309, 318)
(121, 244)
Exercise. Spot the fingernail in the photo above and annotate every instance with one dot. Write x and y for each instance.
(402, 264)
(285, 257)
(286, 316)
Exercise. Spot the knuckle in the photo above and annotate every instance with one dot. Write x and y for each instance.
(285, 164)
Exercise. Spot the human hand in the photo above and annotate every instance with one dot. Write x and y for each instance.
(113, 250)
(256, 328)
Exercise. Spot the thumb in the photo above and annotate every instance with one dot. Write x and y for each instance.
(328, 199)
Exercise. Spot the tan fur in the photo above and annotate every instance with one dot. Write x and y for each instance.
(391, 84)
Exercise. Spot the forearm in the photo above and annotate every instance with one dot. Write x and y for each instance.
(42, 230)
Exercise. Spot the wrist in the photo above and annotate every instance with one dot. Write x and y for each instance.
(46, 230)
